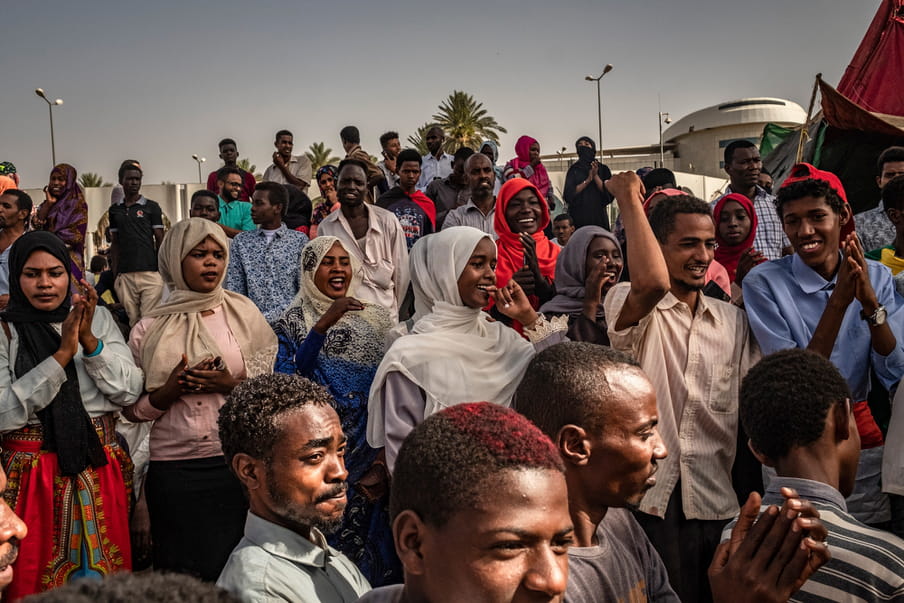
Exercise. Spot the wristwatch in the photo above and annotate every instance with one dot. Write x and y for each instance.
(876, 318)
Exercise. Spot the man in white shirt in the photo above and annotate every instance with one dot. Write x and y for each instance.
(437, 163)
(286, 167)
(371, 234)
(284, 442)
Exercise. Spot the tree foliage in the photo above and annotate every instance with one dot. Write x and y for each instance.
(92, 180)
(245, 164)
(320, 155)
(466, 122)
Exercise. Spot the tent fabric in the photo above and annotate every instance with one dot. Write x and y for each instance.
(875, 75)
(842, 113)
(773, 135)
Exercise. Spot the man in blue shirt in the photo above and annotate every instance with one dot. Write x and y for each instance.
(836, 303)
(265, 264)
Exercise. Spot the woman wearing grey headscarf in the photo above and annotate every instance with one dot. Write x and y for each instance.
(589, 265)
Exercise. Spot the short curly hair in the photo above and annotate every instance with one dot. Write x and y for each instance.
(447, 461)
(785, 399)
(152, 587)
(251, 420)
(567, 384)
(662, 217)
(811, 187)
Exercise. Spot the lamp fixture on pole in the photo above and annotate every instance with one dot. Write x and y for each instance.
(50, 105)
(599, 104)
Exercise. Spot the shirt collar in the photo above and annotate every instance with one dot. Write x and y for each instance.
(808, 279)
(372, 222)
(282, 542)
(141, 201)
(277, 233)
(470, 205)
(704, 306)
(807, 489)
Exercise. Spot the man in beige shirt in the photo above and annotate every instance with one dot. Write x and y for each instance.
(373, 235)
(695, 351)
(286, 167)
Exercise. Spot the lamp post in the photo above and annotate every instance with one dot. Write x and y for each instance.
(199, 160)
(50, 105)
(667, 120)
(599, 104)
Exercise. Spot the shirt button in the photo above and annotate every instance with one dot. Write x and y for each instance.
(205, 437)
(199, 403)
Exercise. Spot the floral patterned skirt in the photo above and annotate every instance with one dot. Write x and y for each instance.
(78, 526)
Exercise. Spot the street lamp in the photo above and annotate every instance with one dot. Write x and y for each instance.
(599, 104)
(50, 105)
(200, 160)
(667, 120)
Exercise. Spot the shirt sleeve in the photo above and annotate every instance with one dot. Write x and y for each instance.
(765, 315)
(113, 370)
(142, 410)
(404, 405)
(400, 274)
(236, 279)
(21, 398)
(155, 214)
(627, 338)
(304, 169)
(306, 353)
(113, 217)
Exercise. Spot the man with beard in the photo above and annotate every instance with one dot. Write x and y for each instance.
(451, 192)
(436, 164)
(371, 234)
(695, 350)
(479, 211)
(284, 442)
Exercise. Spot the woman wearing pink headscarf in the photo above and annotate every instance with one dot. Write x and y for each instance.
(527, 165)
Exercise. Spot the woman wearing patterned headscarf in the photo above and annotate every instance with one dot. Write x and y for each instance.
(195, 347)
(64, 212)
(332, 338)
(65, 371)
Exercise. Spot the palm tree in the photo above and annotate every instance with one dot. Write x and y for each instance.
(320, 156)
(91, 180)
(466, 122)
(416, 140)
(245, 164)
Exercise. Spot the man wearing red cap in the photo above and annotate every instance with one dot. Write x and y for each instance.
(827, 297)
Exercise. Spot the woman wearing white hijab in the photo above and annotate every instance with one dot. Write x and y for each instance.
(454, 354)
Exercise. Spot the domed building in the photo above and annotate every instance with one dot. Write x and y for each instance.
(701, 137)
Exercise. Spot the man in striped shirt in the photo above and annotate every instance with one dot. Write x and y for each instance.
(797, 409)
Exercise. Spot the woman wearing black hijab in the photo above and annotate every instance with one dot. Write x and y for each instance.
(65, 371)
(585, 191)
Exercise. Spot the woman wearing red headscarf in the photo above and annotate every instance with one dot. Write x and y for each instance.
(736, 222)
(525, 254)
(527, 165)
(64, 212)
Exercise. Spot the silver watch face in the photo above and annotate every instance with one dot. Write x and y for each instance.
(878, 317)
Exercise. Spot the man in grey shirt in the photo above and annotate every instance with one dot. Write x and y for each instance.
(479, 211)
(284, 442)
(599, 408)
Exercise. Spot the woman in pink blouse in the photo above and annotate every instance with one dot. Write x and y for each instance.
(195, 348)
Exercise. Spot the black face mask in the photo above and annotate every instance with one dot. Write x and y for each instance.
(586, 154)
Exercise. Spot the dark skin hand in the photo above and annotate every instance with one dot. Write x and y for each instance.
(748, 260)
(770, 558)
(512, 301)
(335, 312)
(210, 376)
(593, 290)
(529, 277)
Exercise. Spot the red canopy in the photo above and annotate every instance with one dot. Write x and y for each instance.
(875, 77)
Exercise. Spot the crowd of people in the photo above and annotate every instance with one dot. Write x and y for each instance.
(426, 385)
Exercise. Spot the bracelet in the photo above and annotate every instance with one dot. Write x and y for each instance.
(97, 350)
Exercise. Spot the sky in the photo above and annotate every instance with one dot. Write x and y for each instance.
(161, 80)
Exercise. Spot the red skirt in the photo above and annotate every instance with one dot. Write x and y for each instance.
(77, 526)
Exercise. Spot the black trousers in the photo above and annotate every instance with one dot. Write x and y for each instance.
(197, 510)
(686, 546)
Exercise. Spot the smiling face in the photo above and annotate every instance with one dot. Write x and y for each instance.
(625, 452)
(512, 546)
(734, 223)
(204, 266)
(688, 251)
(603, 250)
(284, 145)
(305, 476)
(57, 184)
(231, 188)
(44, 281)
(334, 274)
(524, 212)
(814, 230)
(479, 273)
(352, 186)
